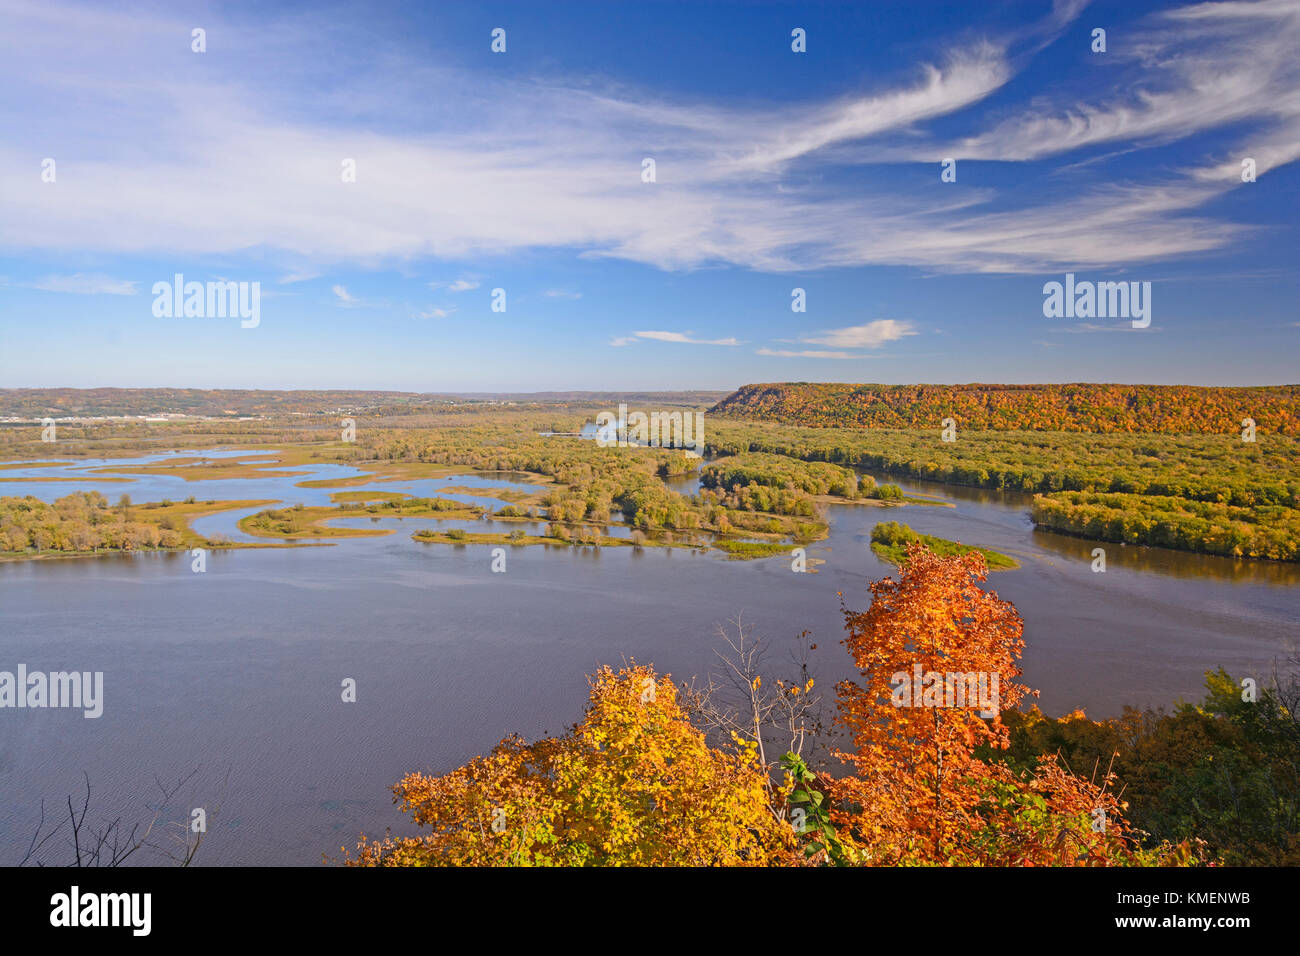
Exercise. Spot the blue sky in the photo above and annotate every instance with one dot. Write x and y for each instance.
(522, 171)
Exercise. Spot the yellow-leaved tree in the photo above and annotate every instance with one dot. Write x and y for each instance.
(633, 783)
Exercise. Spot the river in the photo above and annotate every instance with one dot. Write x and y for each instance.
(236, 672)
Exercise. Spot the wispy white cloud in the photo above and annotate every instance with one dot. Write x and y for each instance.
(970, 75)
(561, 294)
(523, 163)
(292, 277)
(344, 297)
(842, 343)
(810, 353)
(683, 337)
(435, 313)
(82, 283)
(1186, 70)
(463, 284)
(867, 336)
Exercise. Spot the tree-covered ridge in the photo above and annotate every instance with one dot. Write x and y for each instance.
(1199, 467)
(1079, 407)
(1209, 493)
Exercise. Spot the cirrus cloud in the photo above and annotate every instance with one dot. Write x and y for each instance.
(518, 163)
(810, 353)
(869, 335)
(685, 338)
(81, 283)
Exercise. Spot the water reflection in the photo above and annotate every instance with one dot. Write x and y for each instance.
(1178, 564)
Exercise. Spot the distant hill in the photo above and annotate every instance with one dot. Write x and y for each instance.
(233, 403)
(1080, 407)
(199, 402)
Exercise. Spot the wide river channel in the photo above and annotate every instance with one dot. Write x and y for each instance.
(235, 674)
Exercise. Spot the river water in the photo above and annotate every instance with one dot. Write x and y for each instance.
(235, 674)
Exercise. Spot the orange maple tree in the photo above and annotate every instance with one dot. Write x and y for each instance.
(919, 794)
(913, 758)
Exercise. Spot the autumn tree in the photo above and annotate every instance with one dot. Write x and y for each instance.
(938, 658)
(633, 783)
(913, 760)
(1225, 770)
